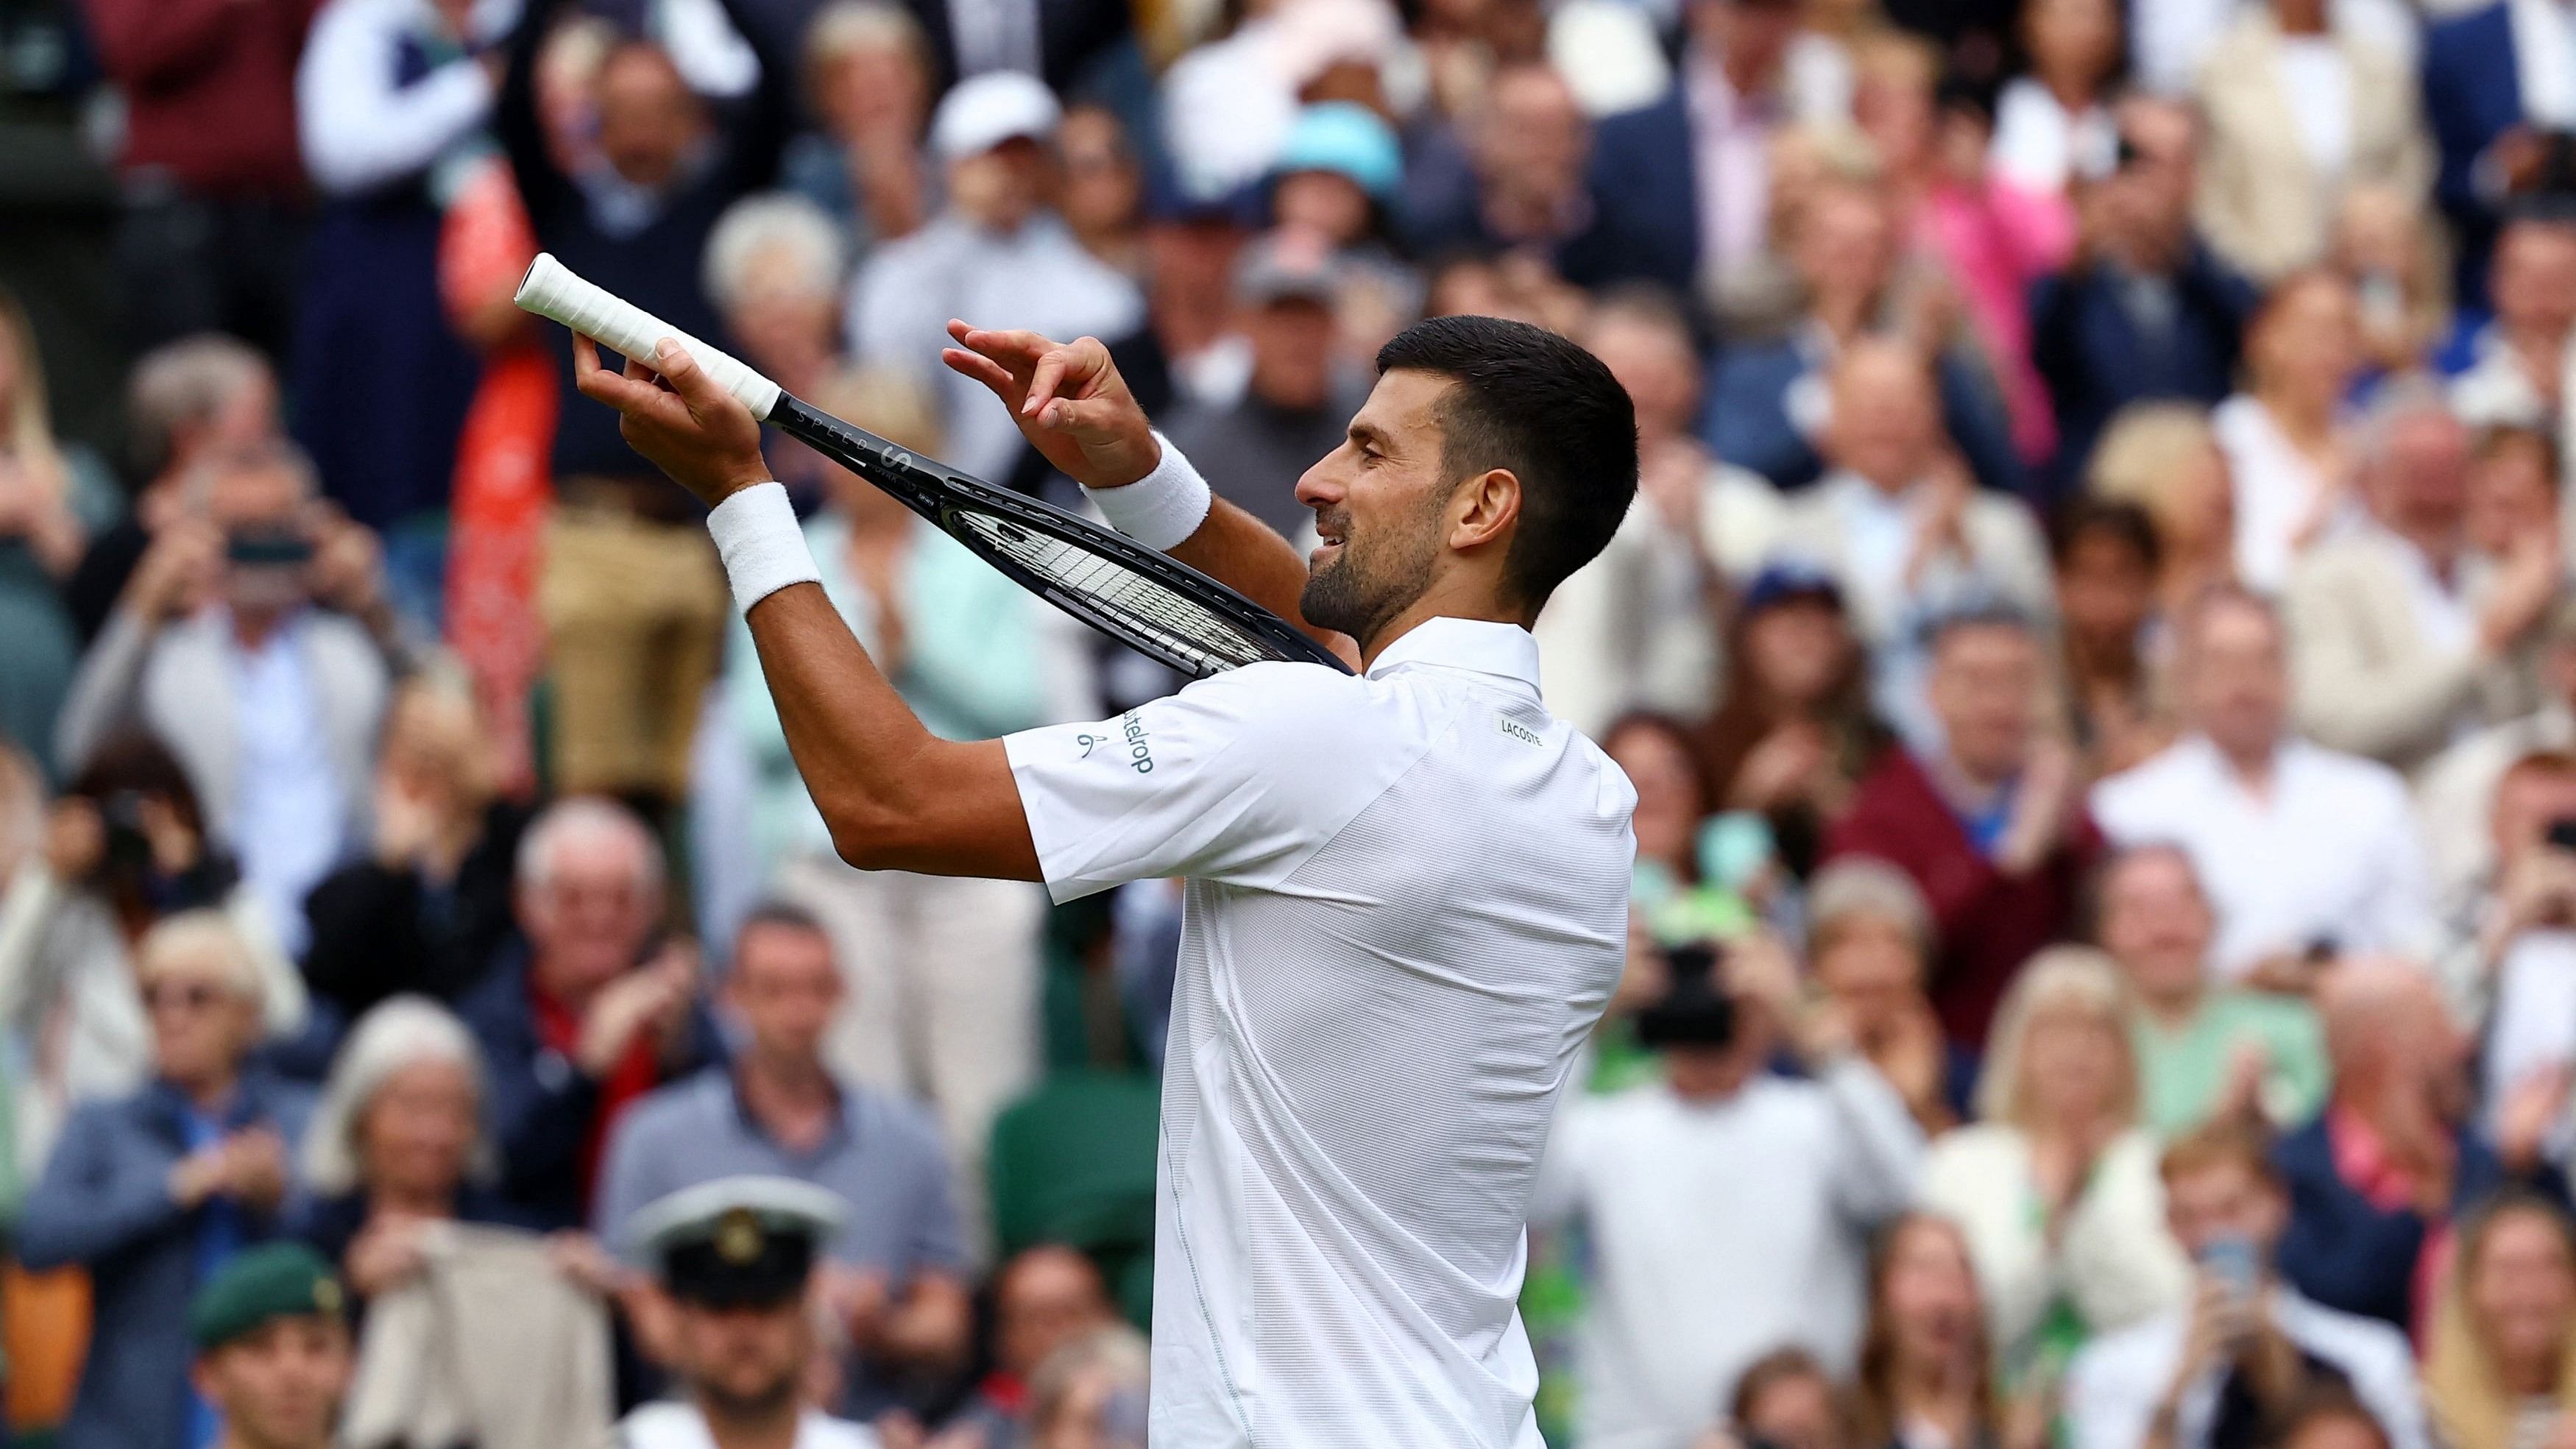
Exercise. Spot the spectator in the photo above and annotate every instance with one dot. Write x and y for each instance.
(1678, 895)
(1991, 826)
(2513, 489)
(1520, 179)
(186, 402)
(2329, 1417)
(2457, 791)
(1091, 1392)
(2227, 1371)
(272, 703)
(2500, 1369)
(153, 1193)
(1300, 392)
(124, 848)
(273, 1353)
(429, 908)
(1727, 1208)
(211, 225)
(2515, 366)
(998, 249)
(1927, 1371)
(2205, 1049)
(2270, 194)
(632, 598)
(2392, 253)
(1900, 527)
(1784, 1398)
(2512, 960)
(2054, 1188)
(1869, 944)
(2307, 853)
(2109, 559)
(1794, 733)
(2145, 311)
(1768, 406)
(2053, 124)
(774, 270)
(2496, 132)
(1104, 188)
(1681, 187)
(2288, 453)
(2164, 458)
(942, 970)
(1637, 627)
(388, 92)
(51, 497)
(2375, 1178)
(1043, 1298)
(2406, 641)
(868, 86)
(396, 1146)
(895, 1275)
(582, 1021)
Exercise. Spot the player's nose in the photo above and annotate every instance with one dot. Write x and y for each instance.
(1318, 488)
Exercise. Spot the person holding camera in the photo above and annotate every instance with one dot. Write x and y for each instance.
(2230, 1369)
(124, 848)
(271, 703)
(1729, 1209)
(2514, 962)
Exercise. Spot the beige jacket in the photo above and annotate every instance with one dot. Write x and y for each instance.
(2368, 680)
(2263, 204)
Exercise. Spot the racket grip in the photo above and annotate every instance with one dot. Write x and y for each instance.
(551, 290)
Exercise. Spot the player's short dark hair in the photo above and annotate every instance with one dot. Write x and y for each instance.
(1531, 402)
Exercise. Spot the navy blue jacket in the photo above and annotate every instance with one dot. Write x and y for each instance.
(104, 1204)
(541, 1107)
(2096, 359)
(1745, 418)
(2346, 1253)
(1645, 201)
(2472, 94)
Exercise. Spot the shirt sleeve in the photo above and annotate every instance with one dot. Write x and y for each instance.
(1236, 779)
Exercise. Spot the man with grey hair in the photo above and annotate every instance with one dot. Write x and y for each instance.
(590, 1014)
(2407, 639)
(774, 267)
(255, 641)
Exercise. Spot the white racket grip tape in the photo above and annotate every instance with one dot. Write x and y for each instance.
(551, 290)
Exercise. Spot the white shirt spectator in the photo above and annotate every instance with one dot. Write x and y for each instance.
(1720, 1231)
(2328, 854)
(2039, 145)
(2544, 62)
(2533, 1026)
(2168, 39)
(1037, 277)
(361, 128)
(1407, 900)
(2115, 1383)
(2456, 793)
(2277, 489)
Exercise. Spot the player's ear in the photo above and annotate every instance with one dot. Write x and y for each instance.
(1484, 508)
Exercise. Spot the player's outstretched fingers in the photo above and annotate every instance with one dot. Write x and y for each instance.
(982, 369)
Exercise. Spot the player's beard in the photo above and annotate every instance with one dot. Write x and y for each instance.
(1371, 579)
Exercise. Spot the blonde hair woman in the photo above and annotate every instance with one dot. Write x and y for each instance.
(51, 499)
(2164, 457)
(2055, 1187)
(2500, 1371)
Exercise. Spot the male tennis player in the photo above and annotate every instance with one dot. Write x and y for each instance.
(1407, 889)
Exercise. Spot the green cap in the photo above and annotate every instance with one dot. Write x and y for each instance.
(280, 1280)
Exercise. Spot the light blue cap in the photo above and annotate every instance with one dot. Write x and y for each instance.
(1348, 139)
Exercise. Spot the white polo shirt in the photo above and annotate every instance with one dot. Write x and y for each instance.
(1406, 906)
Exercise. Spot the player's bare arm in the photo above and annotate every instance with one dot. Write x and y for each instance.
(895, 796)
(1075, 409)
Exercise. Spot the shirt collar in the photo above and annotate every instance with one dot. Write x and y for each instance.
(1478, 646)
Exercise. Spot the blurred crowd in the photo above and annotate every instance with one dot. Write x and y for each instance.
(2095, 648)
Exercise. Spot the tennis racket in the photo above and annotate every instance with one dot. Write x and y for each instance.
(1153, 604)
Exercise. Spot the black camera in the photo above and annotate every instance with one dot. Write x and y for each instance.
(1695, 1010)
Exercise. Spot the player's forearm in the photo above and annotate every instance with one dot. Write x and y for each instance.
(894, 796)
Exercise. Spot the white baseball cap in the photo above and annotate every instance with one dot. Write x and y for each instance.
(981, 112)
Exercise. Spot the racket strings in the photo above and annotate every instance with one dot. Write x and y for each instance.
(1132, 599)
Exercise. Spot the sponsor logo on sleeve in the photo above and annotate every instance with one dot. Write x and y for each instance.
(1131, 743)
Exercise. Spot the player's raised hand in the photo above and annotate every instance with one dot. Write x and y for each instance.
(678, 418)
(1067, 398)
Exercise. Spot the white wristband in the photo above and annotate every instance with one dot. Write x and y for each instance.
(762, 545)
(1161, 509)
